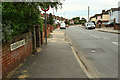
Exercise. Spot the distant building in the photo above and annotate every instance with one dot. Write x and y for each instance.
(112, 15)
(101, 18)
(98, 18)
(93, 19)
(71, 22)
(105, 16)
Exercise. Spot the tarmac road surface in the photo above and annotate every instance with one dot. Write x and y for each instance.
(99, 49)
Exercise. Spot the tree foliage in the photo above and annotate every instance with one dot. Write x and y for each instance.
(76, 18)
(50, 19)
(18, 17)
(83, 20)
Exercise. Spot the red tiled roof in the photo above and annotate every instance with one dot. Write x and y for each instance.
(98, 14)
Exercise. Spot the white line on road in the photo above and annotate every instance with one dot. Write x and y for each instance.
(116, 43)
(103, 37)
(95, 36)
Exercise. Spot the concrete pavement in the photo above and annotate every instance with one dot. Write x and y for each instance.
(109, 30)
(104, 29)
(56, 60)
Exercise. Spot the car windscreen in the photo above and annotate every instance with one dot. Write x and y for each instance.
(108, 23)
(90, 23)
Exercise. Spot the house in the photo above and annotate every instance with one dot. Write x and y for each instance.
(102, 18)
(54, 17)
(105, 16)
(114, 15)
(98, 18)
(93, 19)
(71, 22)
(57, 20)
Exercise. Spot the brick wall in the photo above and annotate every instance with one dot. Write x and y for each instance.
(102, 25)
(58, 26)
(11, 59)
(49, 29)
(97, 25)
(117, 27)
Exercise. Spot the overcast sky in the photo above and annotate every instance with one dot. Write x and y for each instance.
(75, 8)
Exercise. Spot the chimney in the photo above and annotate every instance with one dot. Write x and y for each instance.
(103, 11)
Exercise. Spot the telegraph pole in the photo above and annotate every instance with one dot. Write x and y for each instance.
(88, 12)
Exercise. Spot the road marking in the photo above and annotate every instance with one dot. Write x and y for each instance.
(116, 43)
(93, 51)
(103, 37)
(95, 36)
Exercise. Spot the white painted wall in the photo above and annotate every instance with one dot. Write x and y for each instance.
(115, 15)
(119, 4)
(119, 13)
(118, 17)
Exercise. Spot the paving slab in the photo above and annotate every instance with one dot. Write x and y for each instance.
(109, 30)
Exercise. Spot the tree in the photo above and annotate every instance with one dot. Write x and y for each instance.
(76, 18)
(83, 20)
(55, 5)
(50, 19)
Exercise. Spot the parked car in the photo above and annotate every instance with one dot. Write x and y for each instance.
(62, 26)
(109, 24)
(67, 25)
(90, 25)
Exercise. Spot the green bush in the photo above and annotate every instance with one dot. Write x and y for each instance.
(18, 17)
(50, 19)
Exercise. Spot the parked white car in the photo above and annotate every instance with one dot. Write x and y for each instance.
(89, 25)
(62, 26)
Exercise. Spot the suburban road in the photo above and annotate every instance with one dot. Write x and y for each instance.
(98, 49)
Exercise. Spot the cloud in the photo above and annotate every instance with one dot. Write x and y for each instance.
(73, 8)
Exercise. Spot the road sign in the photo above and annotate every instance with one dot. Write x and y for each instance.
(45, 8)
